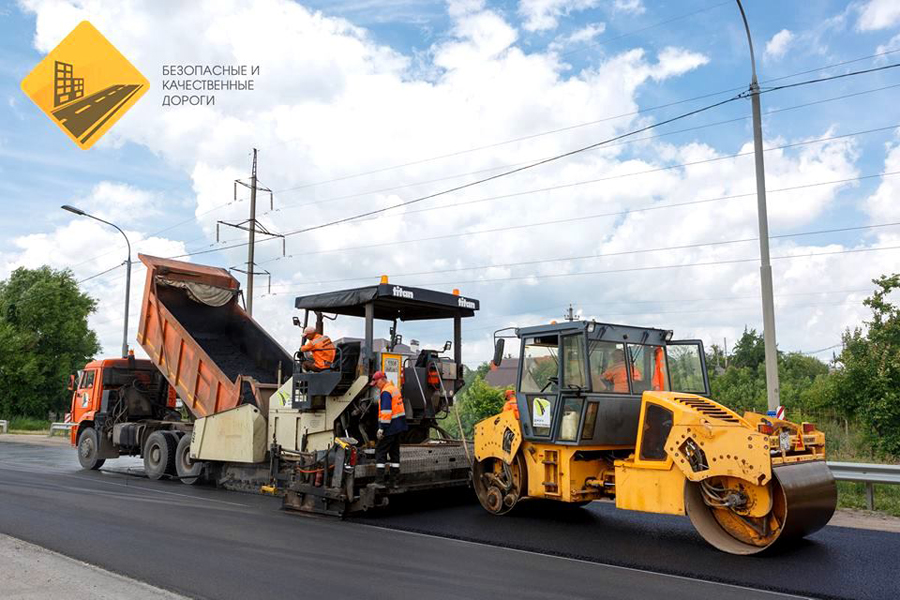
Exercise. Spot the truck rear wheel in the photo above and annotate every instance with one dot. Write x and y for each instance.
(89, 449)
(159, 454)
(188, 470)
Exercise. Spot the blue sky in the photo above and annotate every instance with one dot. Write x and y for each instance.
(41, 169)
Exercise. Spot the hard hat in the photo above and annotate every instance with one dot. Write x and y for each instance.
(309, 330)
(379, 375)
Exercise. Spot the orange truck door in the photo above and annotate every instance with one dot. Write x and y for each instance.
(85, 400)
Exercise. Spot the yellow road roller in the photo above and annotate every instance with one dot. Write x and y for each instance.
(622, 412)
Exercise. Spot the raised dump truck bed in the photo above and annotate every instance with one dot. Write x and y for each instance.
(204, 343)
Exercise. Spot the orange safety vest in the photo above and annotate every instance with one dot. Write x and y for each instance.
(322, 350)
(511, 403)
(659, 377)
(619, 376)
(397, 408)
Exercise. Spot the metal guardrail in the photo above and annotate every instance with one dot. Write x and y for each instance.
(867, 473)
(4, 425)
(65, 427)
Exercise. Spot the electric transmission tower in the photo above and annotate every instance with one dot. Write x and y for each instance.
(253, 226)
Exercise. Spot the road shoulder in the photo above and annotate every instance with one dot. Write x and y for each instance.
(29, 571)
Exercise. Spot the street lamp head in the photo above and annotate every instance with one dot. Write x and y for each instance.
(72, 209)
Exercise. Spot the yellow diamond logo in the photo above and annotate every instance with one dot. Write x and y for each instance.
(85, 85)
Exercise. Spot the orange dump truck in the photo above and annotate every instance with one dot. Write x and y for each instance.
(202, 347)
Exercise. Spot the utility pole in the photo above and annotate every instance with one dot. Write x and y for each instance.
(570, 313)
(773, 392)
(252, 226)
(252, 246)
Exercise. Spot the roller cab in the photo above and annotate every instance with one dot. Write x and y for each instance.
(623, 413)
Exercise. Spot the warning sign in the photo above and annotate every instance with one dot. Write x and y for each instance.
(85, 85)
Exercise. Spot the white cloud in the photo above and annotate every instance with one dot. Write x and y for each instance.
(541, 15)
(893, 44)
(121, 203)
(883, 205)
(587, 33)
(630, 6)
(676, 61)
(778, 45)
(330, 101)
(878, 14)
(78, 239)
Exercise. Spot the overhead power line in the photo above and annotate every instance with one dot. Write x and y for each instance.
(495, 319)
(363, 216)
(507, 173)
(556, 157)
(580, 125)
(671, 266)
(578, 218)
(596, 256)
(620, 143)
(566, 154)
(493, 145)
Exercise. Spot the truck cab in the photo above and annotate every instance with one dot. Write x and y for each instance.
(100, 400)
(581, 382)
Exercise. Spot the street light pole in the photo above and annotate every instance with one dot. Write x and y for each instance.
(81, 213)
(765, 269)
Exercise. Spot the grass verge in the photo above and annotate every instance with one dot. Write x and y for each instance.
(27, 424)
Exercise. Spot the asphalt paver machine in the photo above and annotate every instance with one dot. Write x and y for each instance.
(619, 412)
(333, 415)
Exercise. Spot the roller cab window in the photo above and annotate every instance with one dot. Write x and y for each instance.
(540, 365)
(648, 368)
(687, 367)
(608, 369)
(540, 381)
(574, 376)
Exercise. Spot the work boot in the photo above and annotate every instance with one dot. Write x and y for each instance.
(393, 475)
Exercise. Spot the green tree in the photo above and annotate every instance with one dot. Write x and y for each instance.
(44, 337)
(477, 401)
(743, 385)
(749, 351)
(867, 383)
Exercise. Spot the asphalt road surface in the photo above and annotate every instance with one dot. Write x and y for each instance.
(208, 543)
(81, 115)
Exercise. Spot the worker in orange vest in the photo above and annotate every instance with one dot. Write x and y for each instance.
(320, 348)
(391, 423)
(617, 373)
(511, 403)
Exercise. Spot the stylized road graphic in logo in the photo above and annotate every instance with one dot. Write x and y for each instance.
(85, 85)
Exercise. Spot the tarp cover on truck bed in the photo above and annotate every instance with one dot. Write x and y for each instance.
(195, 331)
(391, 302)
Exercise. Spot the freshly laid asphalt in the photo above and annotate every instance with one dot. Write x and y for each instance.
(207, 543)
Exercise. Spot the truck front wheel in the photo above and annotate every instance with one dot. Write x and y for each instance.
(89, 449)
(159, 455)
